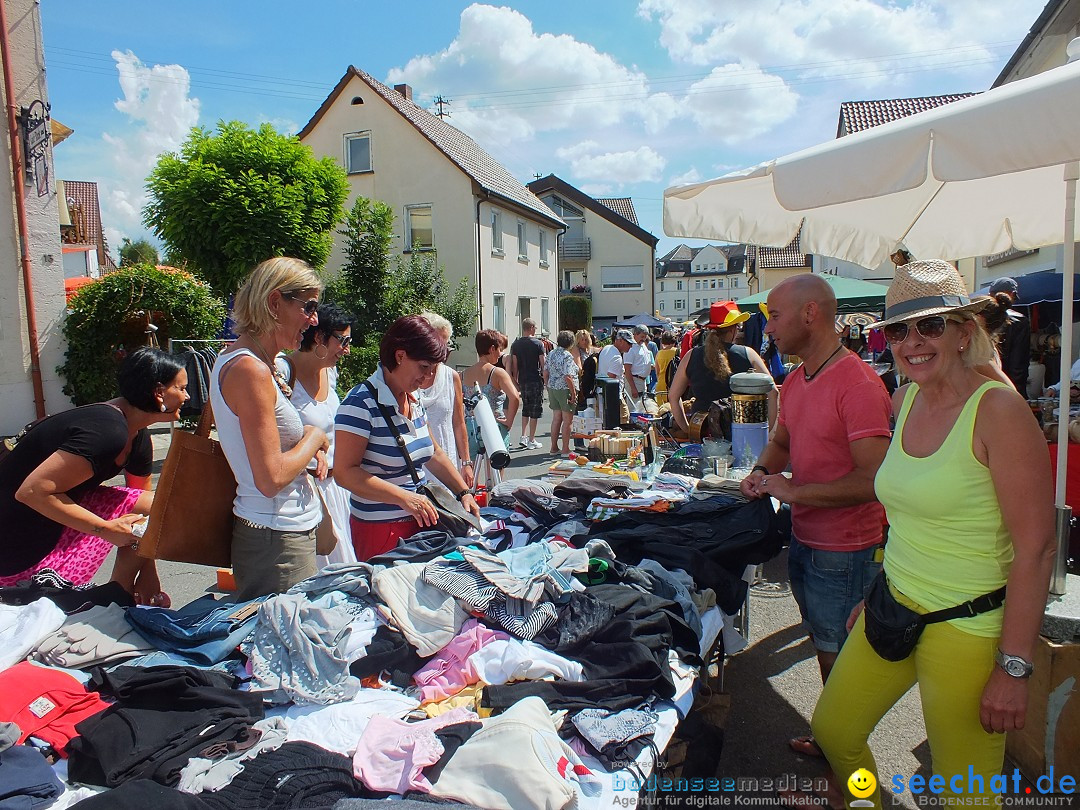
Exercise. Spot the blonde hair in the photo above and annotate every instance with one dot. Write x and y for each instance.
(583, 333)
(716, 359)
(980, 348)
(251, 308)
(438, 323)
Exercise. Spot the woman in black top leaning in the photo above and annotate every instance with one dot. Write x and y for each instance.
(706, 370)
(54, 511)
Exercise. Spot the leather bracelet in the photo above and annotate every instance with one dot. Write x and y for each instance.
(757, 467)
(462, 494)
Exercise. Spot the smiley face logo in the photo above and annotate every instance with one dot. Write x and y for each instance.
(862, 783)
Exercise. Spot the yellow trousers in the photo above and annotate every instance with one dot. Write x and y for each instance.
(951, 668)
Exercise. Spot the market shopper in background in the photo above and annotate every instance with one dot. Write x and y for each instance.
(1015, 345)
(495, 384)
(268, 447)
(55, 513)
(610, 366)
(833, 431)
(967, 491)
(705, 372)
(562, 381)
(386, 506)
(665, 359)
(312, 375)
(639, 364)
(527, 370)
(444, 404)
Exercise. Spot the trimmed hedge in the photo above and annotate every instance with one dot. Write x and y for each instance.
(575, 312)
(105, 321)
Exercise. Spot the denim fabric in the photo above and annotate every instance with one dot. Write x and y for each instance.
(205, 631)
(827, 585)
(234, 666)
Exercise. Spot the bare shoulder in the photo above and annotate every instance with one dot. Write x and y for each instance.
(1004, 403)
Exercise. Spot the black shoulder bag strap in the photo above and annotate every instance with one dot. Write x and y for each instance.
(389, 417)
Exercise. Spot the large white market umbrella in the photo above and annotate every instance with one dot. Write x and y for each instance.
(978, 176)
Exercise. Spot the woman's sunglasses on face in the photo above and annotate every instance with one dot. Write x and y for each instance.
(344, 340)
(931, 327)
(311, 305)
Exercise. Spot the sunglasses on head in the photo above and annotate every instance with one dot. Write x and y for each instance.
(311, 305)
(931, 327)
(344, 340)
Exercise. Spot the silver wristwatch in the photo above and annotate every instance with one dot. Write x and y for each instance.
(1014, 665)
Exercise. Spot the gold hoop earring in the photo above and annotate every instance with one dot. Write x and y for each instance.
(325, 351)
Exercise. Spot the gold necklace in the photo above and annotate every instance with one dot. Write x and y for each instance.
(279, 378)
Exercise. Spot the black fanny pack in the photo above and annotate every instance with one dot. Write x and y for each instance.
(893, 630)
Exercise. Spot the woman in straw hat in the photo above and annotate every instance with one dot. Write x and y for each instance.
(967, 491)
(706, 370)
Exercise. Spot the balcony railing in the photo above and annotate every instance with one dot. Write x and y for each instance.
(575, 250)
(577, 290)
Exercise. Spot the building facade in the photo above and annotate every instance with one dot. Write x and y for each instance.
(31, 340)
(448, 196)
(689, 279)
(604, 253)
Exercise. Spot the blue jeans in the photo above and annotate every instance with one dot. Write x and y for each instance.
(205, 631)
(827, 585)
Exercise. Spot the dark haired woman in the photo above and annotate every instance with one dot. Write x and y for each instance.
(495, 384)
(368, 462)
(54, 511)
(994, 317)
(312, 374)
(706, 370)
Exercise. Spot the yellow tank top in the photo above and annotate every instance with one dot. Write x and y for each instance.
(947, 540)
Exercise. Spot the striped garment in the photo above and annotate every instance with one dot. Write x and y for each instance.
(359, 414)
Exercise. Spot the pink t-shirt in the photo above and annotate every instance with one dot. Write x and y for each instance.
(844, 403)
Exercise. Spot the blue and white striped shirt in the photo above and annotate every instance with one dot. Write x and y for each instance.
(359, 414)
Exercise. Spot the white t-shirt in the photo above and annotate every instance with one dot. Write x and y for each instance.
(609, 365)
(312, 412)
(640, 359)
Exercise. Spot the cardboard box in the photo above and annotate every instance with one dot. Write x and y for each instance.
(1051, 733)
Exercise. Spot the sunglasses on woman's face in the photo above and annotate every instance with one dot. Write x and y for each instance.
(311, 305)
(344, 340)
(931, 327)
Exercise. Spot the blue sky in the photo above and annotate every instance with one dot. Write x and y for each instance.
(618, 97)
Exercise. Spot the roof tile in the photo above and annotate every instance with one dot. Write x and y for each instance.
(461, 149)
(623, 206)
(855, 116)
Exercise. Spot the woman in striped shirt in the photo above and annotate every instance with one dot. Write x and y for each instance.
(385, 505)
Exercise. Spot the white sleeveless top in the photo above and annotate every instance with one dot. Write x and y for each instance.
(312, 411)
(438, 401)
(295, 508)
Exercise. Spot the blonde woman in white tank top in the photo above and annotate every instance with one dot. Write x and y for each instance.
(276, 509)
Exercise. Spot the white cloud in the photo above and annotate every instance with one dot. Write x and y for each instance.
(686, 178)
(160, 113)
(598, 189)
(739, 102)
(865, 40)
(286, 126)
(632, 166)
(532, 82)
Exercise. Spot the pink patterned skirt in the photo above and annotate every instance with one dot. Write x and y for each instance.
(78, 556)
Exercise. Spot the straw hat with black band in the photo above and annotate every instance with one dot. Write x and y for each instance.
(927, 287)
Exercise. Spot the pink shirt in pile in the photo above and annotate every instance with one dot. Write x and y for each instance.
(842, 404)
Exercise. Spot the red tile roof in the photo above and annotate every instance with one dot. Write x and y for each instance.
(623, 206)
(855, 116)
(87, 218)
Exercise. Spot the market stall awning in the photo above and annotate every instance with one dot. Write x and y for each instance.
(645, 319)
(852, 295)
(1041, 288)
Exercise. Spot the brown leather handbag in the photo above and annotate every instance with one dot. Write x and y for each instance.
(191, 519)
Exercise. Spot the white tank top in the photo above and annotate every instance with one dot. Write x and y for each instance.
(438, 401)
(295, 508)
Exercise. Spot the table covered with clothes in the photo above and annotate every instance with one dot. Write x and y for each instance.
(543, 664)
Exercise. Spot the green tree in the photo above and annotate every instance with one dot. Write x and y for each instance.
(361, 287)
(107, 319)
(575, 312)
(141, 251)
(233, 198)
(419, 283)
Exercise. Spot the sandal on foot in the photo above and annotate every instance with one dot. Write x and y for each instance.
(807, 746)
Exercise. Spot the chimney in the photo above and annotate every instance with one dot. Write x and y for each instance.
(405, 91)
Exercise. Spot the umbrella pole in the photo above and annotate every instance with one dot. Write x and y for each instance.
(1064, 512)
